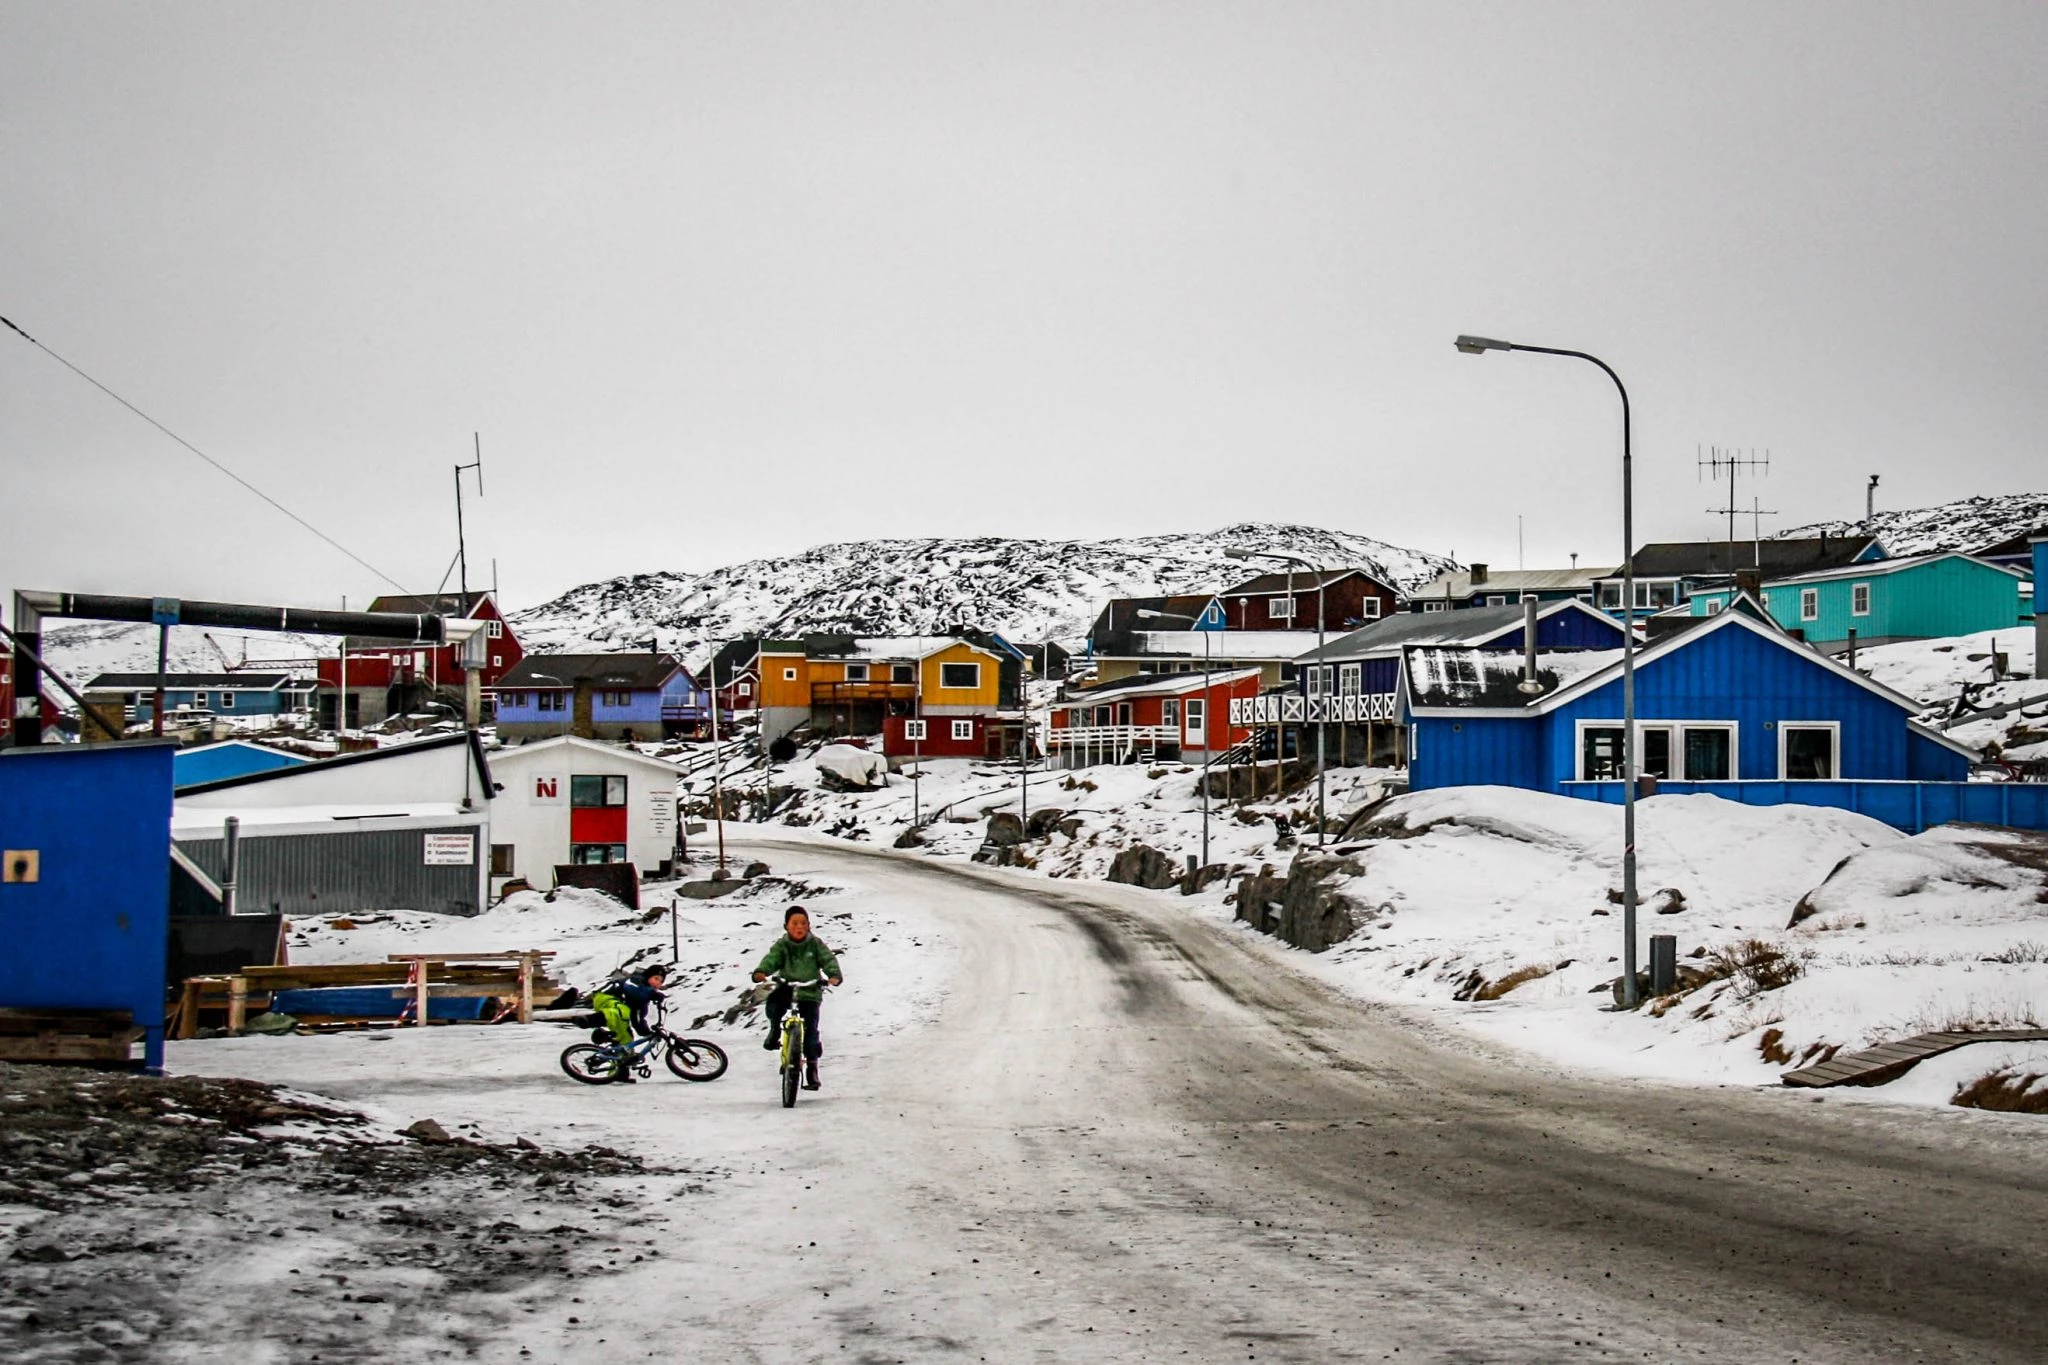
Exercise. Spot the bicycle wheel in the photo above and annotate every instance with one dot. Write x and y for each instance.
(696, 1059)
(591, 1064)
(792, 1062)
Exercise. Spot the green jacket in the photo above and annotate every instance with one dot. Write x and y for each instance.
(803, 962)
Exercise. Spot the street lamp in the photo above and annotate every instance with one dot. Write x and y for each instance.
(1322, 815)
(1208, 710)
(1472, 345)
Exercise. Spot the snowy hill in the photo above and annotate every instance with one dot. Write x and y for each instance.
(81, 650)
(1965, 524)
(1027, 589)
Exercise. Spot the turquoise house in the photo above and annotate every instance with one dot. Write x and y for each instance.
(1918, 598)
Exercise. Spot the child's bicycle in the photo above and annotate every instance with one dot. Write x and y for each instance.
(691, 1059)
(792, 1055)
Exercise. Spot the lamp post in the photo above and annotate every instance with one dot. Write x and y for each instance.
(1472, 345)
(1322, 815)
(1208, 717)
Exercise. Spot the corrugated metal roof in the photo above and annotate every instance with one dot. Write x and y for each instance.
(1459, 582)
(1679, 558)
(185, 682)
(629, 671)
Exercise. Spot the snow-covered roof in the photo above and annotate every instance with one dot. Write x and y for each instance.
(1222, 644)
(1155, 685)
(207, 822)
(1458, 582)
(1467, 626)
(556, 746)
(1491, 677)
(1878, 567)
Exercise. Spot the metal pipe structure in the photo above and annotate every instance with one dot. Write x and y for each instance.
(1472, 345)
(32, 607)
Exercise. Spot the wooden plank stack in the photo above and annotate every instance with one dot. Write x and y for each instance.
(414, 978)
(90, 1037)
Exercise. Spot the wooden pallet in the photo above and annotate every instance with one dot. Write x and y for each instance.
(514, 976)
(1889, 1061)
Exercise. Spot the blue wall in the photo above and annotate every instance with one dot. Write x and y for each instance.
(92, 932)
(1566, 630)
(1908, 806)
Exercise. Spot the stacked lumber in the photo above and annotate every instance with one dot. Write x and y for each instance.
(99, 1037)
(414, 979)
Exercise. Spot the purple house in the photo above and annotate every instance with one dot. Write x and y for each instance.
(639, 696)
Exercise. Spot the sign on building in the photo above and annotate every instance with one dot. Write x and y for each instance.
(451, 850)
(548, 789)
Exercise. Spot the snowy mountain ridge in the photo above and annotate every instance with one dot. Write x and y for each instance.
(1026, 589)
(1965, 524)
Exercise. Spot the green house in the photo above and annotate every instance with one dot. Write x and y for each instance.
(1917, 598)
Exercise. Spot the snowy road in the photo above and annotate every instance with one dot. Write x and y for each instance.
(1128, 1135)
(1131, 1137)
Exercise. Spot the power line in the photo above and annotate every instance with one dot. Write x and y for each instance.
(202, 454)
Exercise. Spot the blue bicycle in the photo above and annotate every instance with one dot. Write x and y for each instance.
(691, 1059)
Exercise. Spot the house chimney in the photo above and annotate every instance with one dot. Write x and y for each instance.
(1478, 574)
(1750, 581)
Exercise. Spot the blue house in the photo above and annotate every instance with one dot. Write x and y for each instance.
(1916, 598)
(637, 696)
(1367, 662)
(1732, 706)
(229, 758)
(222, 694)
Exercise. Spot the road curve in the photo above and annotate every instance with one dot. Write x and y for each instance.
(1133, 1136)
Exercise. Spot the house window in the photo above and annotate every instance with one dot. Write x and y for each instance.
(1599, 753)
(199, 700)
(1859, 599)
(1708, 752)
(597, 853)
(502, 860)
(497, 661)
(965, 677)
(1369, 609)
(1169, 711)
(615, 698)
(1198, 710)
(1279, 609)
(495, 629)
(597, 790)
(1810, 752)
(554, 701)
(914, 730)
(1809, 604)
(789, 675)
(856, 672)
(903, 673)
(1654, 758)
(1348, 679)
(227, 701)
(1434, 606)
(1496, 599)
(746, 689)
(1714, 605)
(963, 729)
(1102, 715)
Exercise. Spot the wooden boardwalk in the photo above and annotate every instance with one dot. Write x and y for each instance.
(1889, 1061)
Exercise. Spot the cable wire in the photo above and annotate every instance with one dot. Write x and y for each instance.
(11, 325)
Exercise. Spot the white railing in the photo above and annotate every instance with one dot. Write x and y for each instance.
(1291, 708)
(1112, 736)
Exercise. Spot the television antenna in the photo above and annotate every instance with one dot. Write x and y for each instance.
(1717, 459)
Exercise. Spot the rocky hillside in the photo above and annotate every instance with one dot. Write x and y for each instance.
(1965, 524)
(1027, 589)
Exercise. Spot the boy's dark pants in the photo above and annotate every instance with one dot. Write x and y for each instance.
(779, 1001)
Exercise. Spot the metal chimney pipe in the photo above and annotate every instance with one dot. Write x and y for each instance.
(230, 862)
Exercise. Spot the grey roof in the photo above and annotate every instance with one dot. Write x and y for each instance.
(1389, 634)
(187, 682)
(628, 671)
(1773, 558)
(437, 604)
(1303, 580)
(1167, 682)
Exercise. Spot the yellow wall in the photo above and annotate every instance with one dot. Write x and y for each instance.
(775, 690)
(962, 653)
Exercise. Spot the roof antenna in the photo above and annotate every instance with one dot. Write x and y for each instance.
(1717, 459)
(461, 545)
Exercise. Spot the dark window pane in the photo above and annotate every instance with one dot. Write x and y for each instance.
(1809, 753)
(1656, 756)
(1707, 755)
(586, 791)
(1601, 761)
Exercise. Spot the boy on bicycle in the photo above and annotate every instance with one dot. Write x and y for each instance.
(624, 1007)
(799, 957)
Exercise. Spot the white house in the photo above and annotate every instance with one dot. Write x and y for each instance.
(571, 800)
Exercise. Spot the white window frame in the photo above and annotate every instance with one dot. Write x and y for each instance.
(1369, 609)
(1194, 721)
(1809, 604)
(1169, 711)
(1834, 728)
(1714, 606)
(1677, 729)
(1431, 606)
(1610, 594)
(494, 629)
(1350, 678)
(974, 686)
(915, 730)
(789, 675)
(1734, 729)
(497, 661)
(963, 729)
(1496, 599)
(857, 673)
(1579, 729)
(1859, 599)
(903, 673)
(1280, 609)
(227, 701)
(746, 689)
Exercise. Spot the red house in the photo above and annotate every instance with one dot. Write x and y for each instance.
(1151, 716)
(1350, 598)
(973, 736)
(390, 677)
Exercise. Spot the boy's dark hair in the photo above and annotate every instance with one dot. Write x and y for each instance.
(792, 913)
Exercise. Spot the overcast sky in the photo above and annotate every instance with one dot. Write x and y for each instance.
(720, 281)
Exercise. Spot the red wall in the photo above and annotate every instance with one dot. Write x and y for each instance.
(1145, 710)
(938, 739)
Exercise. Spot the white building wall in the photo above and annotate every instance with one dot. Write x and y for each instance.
(532, 812)
(403, 778)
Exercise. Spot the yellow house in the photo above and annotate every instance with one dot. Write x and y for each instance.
(849, 685)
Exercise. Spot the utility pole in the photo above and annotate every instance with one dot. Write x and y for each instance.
(717, 768)
(462, 545)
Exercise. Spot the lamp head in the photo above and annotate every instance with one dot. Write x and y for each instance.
(1234, 552)
(1529, 687)
(1480, 345)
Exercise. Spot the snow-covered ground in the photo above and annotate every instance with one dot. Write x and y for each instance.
(1935, 672)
